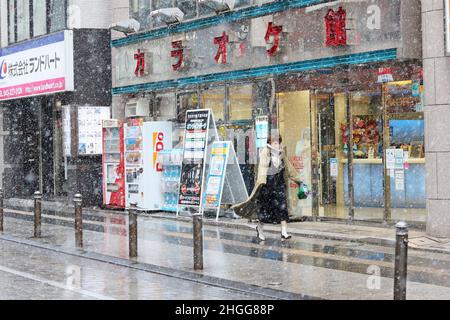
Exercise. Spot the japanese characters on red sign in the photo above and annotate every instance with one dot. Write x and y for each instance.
(177, 53)
(336, 35)
(273, 37)
(222, 42)
(140, 63)
(335, 24)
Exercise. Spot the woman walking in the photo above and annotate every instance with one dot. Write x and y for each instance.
(268, 201)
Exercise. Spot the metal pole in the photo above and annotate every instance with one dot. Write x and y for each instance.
(386, 144)
(132, 232)
(315, 178)
(78, 200)
(1, 210)
(351, 192)
(401, 261)
(198, 241)
(37, 214)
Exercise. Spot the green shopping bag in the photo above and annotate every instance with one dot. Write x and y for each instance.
(302, 192)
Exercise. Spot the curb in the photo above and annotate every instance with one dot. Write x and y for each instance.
(242, 287)
(92, 215)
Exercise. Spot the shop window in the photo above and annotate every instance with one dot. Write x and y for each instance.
(241, 102)
(186, 101)
(204, 10)
(188, 7)
(39, 17)
(23, 20)
(214, 99)
(367, 126)
(140, 10)
(57, 15)
(164, 106)
(242, 3)
(160, 4)
(294, 121)
(11, 21)
(405, 112)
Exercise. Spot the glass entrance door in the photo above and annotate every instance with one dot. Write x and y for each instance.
(329, 115)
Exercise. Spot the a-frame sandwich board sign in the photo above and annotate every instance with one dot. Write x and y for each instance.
(224, 183)
(200, 133)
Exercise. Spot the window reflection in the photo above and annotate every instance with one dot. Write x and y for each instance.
(23, 20)
(39, 17)
(214, 99)
(57, 15)
(241, 102)
(188, 7)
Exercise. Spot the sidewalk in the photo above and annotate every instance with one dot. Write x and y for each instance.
(166, 243)
(374, 233)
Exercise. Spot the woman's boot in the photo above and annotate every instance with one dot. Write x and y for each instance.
(284, 234)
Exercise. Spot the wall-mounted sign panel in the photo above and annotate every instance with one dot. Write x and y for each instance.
(290, 36)
(90, 120)
(36, 67)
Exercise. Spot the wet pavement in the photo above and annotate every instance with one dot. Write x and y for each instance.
(31, 273)
(320, 268)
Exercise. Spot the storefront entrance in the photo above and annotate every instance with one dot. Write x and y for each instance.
(376, 171)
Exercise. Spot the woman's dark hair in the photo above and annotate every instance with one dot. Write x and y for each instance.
(269, 139)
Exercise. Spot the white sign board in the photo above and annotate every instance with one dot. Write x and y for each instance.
(37, 67)
(399, 180)
(390, 159)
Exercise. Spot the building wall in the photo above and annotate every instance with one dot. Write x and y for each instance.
(437, 118)
(3, 23)
(120, 10)
(89, 14)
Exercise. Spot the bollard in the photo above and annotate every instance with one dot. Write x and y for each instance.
(78, 200)
(132, 225)
(1, 210)
(401, 261)
(37, 214)
(198, 241)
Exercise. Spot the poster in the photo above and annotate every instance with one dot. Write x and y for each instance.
(196, 136)
(385, 75)
(399, 180)
(390, 159)
(66, 124)
(334, 167)
(262, 131)
(216, 174)
(90, 121)
(399, 159)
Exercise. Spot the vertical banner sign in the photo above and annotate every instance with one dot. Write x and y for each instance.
(193, 165)
(216, 175)
(447, 24)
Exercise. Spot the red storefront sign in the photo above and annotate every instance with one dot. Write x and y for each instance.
(177, 53)
(335, 24)
(222, 42)
(140, 63)
(273, 31)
